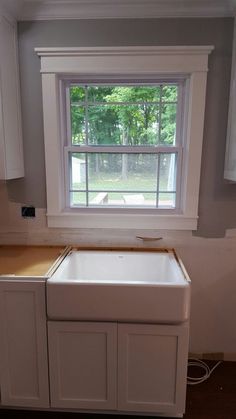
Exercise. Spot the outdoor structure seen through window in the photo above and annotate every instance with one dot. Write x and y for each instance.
(124, 144)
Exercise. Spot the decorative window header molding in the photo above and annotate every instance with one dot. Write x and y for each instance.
(120, 60)
(134, 50)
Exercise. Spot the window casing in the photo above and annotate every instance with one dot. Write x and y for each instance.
(60, 64)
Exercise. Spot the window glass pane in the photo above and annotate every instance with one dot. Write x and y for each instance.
(98, 94)
(169, 93)
(131, 125)
(166, 200)
(168, 124)
(123, 94)
(119, 199)
(103, 126)
(77, 171)
(122, 172)
(98, 198)
(77, 94)
(123, 115)
(167, 180)
(78, 199)
(123, 179)
(142, 199)
(78, 125)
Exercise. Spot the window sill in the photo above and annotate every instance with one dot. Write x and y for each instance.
(124, 221)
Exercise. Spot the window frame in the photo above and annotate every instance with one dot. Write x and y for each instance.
(180, 61)
(177, 148)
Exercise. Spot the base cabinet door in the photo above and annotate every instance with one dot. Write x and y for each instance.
(83, 364)
(152, 366)
(23, 344)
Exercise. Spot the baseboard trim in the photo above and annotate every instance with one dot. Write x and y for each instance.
(214, 356)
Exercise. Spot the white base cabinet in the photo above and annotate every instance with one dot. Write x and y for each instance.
(118, 366)
(23, 344)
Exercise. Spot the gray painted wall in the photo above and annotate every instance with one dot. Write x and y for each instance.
(217, 208)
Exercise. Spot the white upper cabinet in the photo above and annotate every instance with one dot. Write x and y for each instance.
(11, 149)
(230, 156)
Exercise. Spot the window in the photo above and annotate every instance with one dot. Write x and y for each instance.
(124, 144)
(123, 132)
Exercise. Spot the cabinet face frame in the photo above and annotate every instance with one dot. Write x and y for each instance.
(61, 335)
(171, 343)
(23, 344)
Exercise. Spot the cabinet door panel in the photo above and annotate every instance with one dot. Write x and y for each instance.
(82, 359)
(11, 156)
(152, 362)
(23, 344)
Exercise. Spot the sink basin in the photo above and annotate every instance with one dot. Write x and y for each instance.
(117, 285)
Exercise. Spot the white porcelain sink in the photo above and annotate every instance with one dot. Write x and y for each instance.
(119, 286)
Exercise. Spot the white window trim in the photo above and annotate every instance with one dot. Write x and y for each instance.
(191, 61)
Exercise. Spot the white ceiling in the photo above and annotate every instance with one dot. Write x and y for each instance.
(85, 9)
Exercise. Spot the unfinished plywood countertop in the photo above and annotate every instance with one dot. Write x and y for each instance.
(33, 261)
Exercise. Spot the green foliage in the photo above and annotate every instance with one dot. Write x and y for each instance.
(77, 99)
(129, 115)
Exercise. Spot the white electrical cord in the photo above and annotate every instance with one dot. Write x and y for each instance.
(200, 364)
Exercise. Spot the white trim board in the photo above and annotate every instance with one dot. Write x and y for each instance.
(124, 61)
(105, 9)
(230, 153)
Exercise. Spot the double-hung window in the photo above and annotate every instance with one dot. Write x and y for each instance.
(124, 144)
(123, 130)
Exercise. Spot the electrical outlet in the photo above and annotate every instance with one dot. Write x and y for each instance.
(28, 212)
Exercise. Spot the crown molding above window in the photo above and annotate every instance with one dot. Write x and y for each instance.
(99, 9)
(121, 51)
(10, 9)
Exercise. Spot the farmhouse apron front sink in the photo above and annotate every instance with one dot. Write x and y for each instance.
(119, 285)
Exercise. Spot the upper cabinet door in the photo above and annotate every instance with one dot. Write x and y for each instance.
(11, 149)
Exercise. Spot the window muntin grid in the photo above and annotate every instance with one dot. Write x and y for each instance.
(87, 100)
